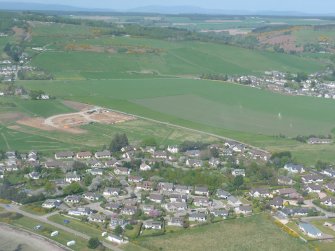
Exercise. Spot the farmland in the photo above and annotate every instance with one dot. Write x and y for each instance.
(252, 233)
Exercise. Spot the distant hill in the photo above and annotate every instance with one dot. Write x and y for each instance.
(38, 6)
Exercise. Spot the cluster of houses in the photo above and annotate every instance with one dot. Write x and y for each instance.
(276, 81)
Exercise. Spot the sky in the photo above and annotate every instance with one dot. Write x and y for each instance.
(307, 6)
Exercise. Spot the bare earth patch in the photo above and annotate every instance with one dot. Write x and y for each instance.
(10, 117)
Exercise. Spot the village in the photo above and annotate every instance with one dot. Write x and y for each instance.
(313, 85)
(123, 191)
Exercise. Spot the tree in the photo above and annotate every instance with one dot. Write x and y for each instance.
(238, 181)
(88, 179)
(118, 230)
(119, 140)
(73, 188)
(93, 243)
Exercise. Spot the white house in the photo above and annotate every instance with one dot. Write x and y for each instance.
(173, 149)
(145, 167)
(238, 172)
(72, 177)
(293, 168)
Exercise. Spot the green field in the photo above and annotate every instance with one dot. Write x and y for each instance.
(252, 233)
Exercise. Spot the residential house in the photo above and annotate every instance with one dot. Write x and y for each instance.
(296, 211)
(284, 180)
(330, 172)
(121, 171)
(176, 222)
(99, 218)
(276, 202)
(194, 163)
(114, 206)
(310, 230)
(145, 186)
(243, 210)
(111, 191)
(311, 178)
(34, 175)
(91, 196)
(214, 162)
(313, 188)
(192, 153)
(314, 141)
(238, 172)
(103, 154)
(222, 194)
(201, 202)
(115, 221)
(72, 199)
(293, 168)
(145, 167)
(328, 201)
(165, 186)
(182, 189)
(176, 207)
(72, 177)
(97, 171)
(51, 203)
(80, 211)
(160, 155)
(84, 155)
(173, 149)
(156, 197)
(176, 197)
(260, 193)
(199, 217)
(129, 210)
(95, 163)
(330, 187)
(220, 213)
(64, 155)
(135, 179)
(233, 201)
(203, 191)
(150, 224)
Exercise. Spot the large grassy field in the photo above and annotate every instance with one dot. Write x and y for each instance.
(249, 115)
(252, 233)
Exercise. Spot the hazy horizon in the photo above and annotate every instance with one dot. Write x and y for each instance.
(320, 6)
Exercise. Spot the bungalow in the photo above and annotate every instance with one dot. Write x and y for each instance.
(222, 194)
(116, 239)
(49, 204)
(72, 199)
(34, 175)
(233, 201)
(64, 155)
(129, 210)
(121, 171)
(182, 189)
(284, 180)
(97, 171)
(192, 153)
(220, 213)
(176, 221)
(176, 207)
(160, 155)
(313, 188)
(259, 193)
(201, 202)
(80, 211)
(214, 162)
(145, 185)
(243, 210)
(155, 197)
(194, 163)
(113, 163)
(165, 186)
(111, 192)
(311, 178)
(176, 197)
(150, 224)
(51, 164)
(135, 179)
(276, 202)
(238, 172)
(147, 208)
(128, 148)
(103, 154)
(296, 211)
(100, 218)
(84, 155)
(328, 201)
(257, 154)
(129, 155)
(203, 191)
(95, 163)
(145, 167)
(285, 191)
(293, 168)
(148, 149)
(173, 149)
(114, 222)
(314, 141)
(330, 187)
(72, 177)
(114, 206)
(91, 196)
(310, 230)
(199, 217)
(330, 172)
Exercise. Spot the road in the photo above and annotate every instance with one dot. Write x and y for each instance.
(16, 209)
(309, 203)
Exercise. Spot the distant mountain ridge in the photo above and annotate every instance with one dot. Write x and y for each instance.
(152, 9)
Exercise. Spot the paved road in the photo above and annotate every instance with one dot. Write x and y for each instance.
(309, 203)
(16, 209)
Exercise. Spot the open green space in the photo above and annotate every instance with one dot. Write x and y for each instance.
(252, 233)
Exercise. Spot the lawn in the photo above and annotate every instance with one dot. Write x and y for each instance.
(252, 233)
